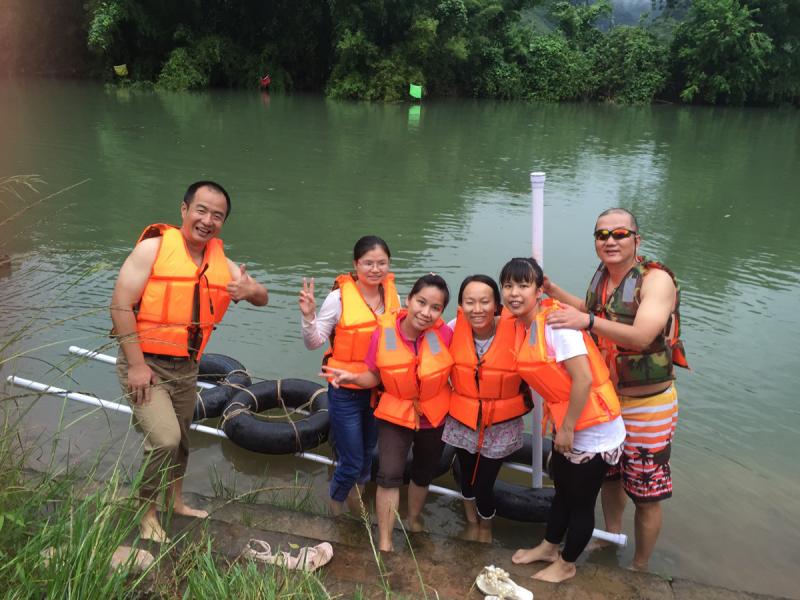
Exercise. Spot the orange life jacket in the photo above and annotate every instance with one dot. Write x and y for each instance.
(551, 380)
(181, 302)
(353, 332)
(485, 391)
(413, 385)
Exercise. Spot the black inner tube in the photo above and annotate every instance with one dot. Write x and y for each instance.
(229, 375)
(277, 436)
(517, 502)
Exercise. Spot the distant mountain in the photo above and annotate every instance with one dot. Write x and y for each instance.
(625, 12)
(628, 12)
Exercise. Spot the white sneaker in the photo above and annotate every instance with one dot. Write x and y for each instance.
(495, 582)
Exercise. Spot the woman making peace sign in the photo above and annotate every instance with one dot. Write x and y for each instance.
(347, 318)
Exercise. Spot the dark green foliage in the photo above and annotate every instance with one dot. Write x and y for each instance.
(556, 70)
(780, 20)
(631, 65)
(187, 44)
(579, 21)
(720, 53)
(717, 51)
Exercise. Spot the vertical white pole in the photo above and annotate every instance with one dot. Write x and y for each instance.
(537, 241)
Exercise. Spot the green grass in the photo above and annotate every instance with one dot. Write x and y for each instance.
(205, 578)
(59, 529)
(298, 496)
(58, 533)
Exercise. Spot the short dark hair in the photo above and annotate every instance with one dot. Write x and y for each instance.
(522, 270)
(486, 280)
(192, 190)
(620, 211)
(431, 280)
(367, 243)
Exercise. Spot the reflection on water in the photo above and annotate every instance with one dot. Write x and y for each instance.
(714, 191)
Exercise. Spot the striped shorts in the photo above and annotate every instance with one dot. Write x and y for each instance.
(650, 424)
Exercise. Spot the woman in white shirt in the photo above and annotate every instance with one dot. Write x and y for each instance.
(347, 319)
(565, 367)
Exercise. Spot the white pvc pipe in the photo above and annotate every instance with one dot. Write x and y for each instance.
(620, 538)
(112, 360)
(86, 399)
(98, 356)
(537, 242)
(106, 358)
(124, 408)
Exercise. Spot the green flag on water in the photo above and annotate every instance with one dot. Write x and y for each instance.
(415, 91)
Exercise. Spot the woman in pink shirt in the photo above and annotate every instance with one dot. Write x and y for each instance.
(408, 354)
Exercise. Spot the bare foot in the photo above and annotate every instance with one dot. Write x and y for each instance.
(470, 511)
(638, 567)
(415, 524)
(354, 501)
(470, 532)
(559, 571)
(545, 552)
(485, 531)
(386, 547)
(597, 544)
(150, 529)
(337, 508)
(188, 511)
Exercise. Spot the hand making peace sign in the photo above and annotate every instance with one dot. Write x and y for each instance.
(308, 305)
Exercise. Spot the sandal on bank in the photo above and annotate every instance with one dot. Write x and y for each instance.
(313, 557)
(261, 551)
(494, 581)
(310, 558)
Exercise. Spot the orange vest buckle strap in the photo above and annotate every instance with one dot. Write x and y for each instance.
(485, 391)
(353, 332)
(181, 301)
(413, 385)
(552, 382)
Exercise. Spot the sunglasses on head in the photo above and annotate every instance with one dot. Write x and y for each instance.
(620, 233)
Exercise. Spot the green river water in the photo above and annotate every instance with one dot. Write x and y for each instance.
(715, 191)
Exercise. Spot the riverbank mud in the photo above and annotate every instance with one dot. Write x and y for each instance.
(447, 567)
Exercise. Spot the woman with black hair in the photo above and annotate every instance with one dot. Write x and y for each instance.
(347, 318)
(487, 403)
(408, 355)
(565, 367)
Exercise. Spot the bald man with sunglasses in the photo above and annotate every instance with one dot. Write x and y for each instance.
(631, 309)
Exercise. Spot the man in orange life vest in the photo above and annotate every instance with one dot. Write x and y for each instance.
(631, 308)
(172, 289)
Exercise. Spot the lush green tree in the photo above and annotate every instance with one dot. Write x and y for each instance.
(780, 20)
(631, 65)
(196, 43)
(720, 53)
(579, 21)
(556, 70)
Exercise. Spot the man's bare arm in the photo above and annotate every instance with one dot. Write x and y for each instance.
(563, 296)
(244, 287)
(657, 303)
(132, 279)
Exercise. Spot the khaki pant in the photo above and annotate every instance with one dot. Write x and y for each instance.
(165, 420)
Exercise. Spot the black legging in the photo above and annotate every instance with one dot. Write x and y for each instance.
(483, 488)
(572, 511)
